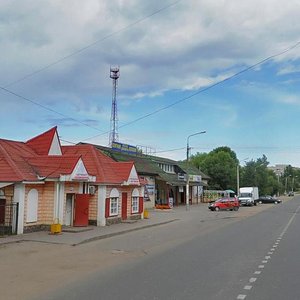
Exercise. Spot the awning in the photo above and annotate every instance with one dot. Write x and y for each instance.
(4, 184)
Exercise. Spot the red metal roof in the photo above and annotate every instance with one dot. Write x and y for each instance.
(41, 144)
(105, 168)
(30, 161)
(14, 161)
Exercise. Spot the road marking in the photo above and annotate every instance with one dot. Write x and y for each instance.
(267, 257)
(289, 223)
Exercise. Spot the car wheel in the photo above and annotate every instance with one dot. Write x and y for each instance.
(217, 208)
(275, 202)
(236, 208)
(260, 202)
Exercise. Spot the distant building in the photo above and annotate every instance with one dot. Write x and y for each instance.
(278, 169)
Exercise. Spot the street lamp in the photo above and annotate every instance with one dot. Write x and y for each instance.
(293, 181)
(187, 169)
(238, 176)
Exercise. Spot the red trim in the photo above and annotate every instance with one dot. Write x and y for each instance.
(124, 205)
(107, 207)
(141, 204)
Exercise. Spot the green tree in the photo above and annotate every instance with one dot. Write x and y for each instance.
(220, 164)
(256, 173)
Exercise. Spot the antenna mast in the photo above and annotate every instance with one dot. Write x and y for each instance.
(113, 135)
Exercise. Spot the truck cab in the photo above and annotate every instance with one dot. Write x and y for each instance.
(248, 196)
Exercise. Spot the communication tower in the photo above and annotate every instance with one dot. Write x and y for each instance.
(114, 135)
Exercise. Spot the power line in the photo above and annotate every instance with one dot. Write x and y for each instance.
(46, 108)
(206, 88)
(93, 44)
(5, 88)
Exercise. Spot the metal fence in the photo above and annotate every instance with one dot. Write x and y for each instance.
(8, 218)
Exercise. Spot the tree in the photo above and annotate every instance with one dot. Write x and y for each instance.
(256, 173)
(220, 164)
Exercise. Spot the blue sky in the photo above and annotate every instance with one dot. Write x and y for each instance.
(167, 51)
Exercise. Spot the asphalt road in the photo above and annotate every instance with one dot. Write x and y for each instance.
(227, 258)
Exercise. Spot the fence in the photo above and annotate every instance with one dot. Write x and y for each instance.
(8, 218)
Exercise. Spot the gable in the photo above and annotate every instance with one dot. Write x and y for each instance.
(55, 148)
(133, 178)
(46, 143)
(79, 172)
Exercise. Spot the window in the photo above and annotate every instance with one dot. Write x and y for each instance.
(32, 206)
(114, 202)
(113, 210)
(135, 201)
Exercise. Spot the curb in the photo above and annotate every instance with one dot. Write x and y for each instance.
(105, 236)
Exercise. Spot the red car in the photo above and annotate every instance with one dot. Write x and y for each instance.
(224, 204)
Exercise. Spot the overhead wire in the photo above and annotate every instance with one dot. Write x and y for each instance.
(5, 87)
(93, 43)
(47, 108)
(206, 88)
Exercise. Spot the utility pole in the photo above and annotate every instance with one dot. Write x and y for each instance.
(187, 169)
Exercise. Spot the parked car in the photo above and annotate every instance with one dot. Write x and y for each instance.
(291, 194)
(224, 204)
(268, 199)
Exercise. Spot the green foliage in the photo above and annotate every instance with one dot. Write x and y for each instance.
(220, 164)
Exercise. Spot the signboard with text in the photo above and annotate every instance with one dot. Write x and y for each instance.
(124, 148)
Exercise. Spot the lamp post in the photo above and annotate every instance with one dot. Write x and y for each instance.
(238, 177)
(187, 169)
(293, 182)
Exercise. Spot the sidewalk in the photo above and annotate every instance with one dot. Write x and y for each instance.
(78, 235)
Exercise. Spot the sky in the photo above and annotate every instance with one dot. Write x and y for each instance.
(227, 67)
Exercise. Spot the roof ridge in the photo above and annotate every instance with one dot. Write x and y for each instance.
(51, 129)
(96, 159)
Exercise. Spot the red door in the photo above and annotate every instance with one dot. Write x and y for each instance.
(124, 206)
(2, 211)
(81, 210)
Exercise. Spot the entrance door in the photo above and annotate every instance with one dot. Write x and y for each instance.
(69, 209)
(124, 206)
(81, 210)
(2, 211)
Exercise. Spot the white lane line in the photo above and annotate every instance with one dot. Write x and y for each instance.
(264, 261)
(253, 279)
(290, 222)
(247, 287)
